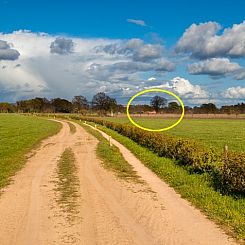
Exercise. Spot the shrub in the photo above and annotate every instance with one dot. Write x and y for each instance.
(232, 172)
(187, 151)
(231, 168)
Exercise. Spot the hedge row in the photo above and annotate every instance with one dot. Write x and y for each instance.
(230, 169)
(232, 172)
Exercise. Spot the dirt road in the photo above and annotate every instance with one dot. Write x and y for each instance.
(110, 211)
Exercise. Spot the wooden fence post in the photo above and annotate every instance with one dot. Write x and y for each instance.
(225, 151)
(110, 143)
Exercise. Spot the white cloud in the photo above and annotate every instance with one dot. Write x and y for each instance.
(214, 67)
(151, 79)
(203, 41)
(137, 22)
(184, 88)
(234, 93)
(83, 70)
(134, 48)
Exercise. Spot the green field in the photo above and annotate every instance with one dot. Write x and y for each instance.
(211, 132)
(227, 210)
(19, 134)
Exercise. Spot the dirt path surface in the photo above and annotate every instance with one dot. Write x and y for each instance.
(110, 211)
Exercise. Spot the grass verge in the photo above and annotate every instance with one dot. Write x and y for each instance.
(227, 211)
(72, 128)
(67, 184)
(112, 158)
(210, 132)
(18, 135)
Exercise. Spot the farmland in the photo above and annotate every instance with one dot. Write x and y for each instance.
(211, 132)
(18, 134)
(21, 133)
(226, 210)
(204, 190)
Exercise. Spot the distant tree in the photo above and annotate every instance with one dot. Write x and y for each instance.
(208, 108)
(80, 103)
(39, 104)
(173, 105)
(33, 105)
(61, 105)
(140, 108)
(103, 103)
(6, 107)
(23, 106)
(158, 102)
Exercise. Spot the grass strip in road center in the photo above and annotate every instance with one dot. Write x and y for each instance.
(112, 158)
(68, 184)
(72, 128)
(227, 211)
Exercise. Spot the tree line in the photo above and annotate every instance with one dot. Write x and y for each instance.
(103, 104)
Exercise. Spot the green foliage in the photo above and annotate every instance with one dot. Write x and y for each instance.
(112, 158)
(67, 184)
(210, 132)
(232, 172)
(226, 210)
(188, 152)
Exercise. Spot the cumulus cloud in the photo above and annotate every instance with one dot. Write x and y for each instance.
(203, 41)
(7, 53)
(184, 88)
(62, 46)
(129, 67)
(134, 48)
(137, 22)
(86, 71)
(214, 67)
(234, 93)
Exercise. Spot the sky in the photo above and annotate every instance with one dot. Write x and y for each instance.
(195, 49)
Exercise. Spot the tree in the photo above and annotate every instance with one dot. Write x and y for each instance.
(61, 105)
(158, 102)
(173, 105)
(208, 108)
(80, 103)
(6, 107)
(23, 106)
(103, 102)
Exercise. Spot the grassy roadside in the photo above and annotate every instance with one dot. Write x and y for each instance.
(72, 128)
(210, 132)
(18, 135)
(67, 184)
(112, 158)
(227, 211)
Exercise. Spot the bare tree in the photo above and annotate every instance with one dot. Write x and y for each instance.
(158, 102)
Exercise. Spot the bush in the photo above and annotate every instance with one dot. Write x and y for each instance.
(188, 152)
(232, 172)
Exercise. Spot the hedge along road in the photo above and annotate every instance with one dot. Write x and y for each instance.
(112, 211)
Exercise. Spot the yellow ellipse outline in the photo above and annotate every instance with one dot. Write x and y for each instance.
(156, 90)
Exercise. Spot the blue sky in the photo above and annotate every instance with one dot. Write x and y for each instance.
(106, 18)
(146, 35)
